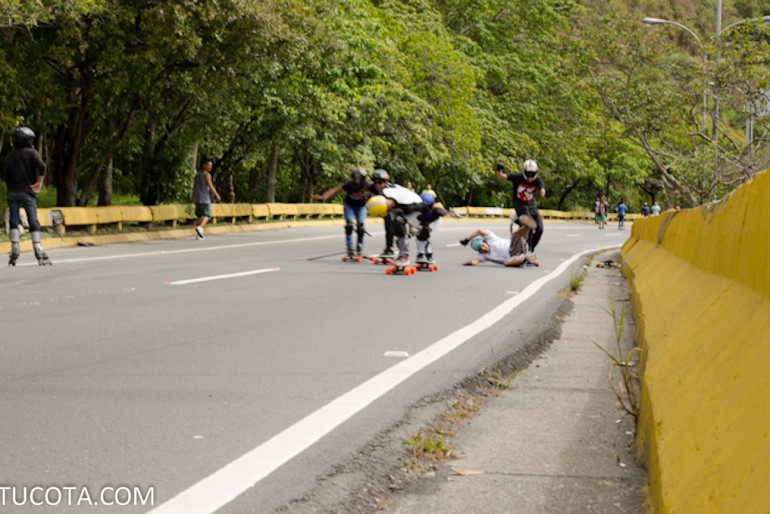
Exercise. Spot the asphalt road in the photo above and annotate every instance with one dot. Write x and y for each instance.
(242, 369)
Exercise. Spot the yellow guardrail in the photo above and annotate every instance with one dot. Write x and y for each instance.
(700, 287)
(89, 218)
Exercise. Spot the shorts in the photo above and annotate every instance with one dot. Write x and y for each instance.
(203, 209)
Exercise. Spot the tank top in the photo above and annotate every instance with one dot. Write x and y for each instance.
(201, 193)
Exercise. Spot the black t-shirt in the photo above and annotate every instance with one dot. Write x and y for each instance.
(22, 168)
(524, 191)
(356, 193)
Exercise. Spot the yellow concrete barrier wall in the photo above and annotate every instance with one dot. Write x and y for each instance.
(91, 217)
(700, 283)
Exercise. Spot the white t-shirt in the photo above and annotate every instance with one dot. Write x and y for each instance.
(401, 195)
(498, 249)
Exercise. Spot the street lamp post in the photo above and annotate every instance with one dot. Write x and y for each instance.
(660, 21)
(718, 33)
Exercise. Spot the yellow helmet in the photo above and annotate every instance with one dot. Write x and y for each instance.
(377, 206)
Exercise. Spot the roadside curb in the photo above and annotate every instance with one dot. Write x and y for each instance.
(556, 440)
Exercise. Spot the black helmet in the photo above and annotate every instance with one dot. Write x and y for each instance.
(23, 137)
(359, 174)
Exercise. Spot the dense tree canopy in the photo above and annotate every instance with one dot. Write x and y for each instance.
(288, 96)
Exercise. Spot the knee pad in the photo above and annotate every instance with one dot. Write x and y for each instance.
(348, 227)
(399, 228)
(423, 234)
(360, 230)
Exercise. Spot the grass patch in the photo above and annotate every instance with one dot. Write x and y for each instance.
(433, 443)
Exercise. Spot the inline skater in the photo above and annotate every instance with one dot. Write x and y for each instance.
(24, 174)
(353, 208)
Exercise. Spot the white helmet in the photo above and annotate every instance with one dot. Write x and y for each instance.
(530, 165)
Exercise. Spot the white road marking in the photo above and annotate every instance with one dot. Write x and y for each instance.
(220, 277)
(224, 485)
(396, 353)
(186, 250)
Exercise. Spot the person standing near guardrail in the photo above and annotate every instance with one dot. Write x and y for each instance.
(353, 208)
(203, 188)
(525, 186)
(24, 174)
(622, 209)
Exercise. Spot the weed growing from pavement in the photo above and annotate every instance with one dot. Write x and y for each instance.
(432, 444)
(627, 390)
(576, 282)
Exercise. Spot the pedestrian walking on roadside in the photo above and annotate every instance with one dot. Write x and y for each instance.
(622, 208)
(597, 208)
(655, 209)
(203, 188)
(645, 210)
(24, 175)
(525, 187)
(603, 210)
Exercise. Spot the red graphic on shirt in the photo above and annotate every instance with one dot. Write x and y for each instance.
(526, 192)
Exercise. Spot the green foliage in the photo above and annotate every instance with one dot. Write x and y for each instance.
(435, 91)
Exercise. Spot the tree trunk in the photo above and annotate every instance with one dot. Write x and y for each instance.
(148, 195)
(272, 173)
(230, 188)
(90, 186)
(105, 187)
(565, 194)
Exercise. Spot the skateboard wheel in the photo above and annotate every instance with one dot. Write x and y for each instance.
(388, 271)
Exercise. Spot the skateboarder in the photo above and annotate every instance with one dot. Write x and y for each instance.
(492, 248)
(525, 187)
(402, 208)
(429, 222)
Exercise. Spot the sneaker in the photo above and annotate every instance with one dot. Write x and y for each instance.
(402, 260)
(420, 257)
(199, 233)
